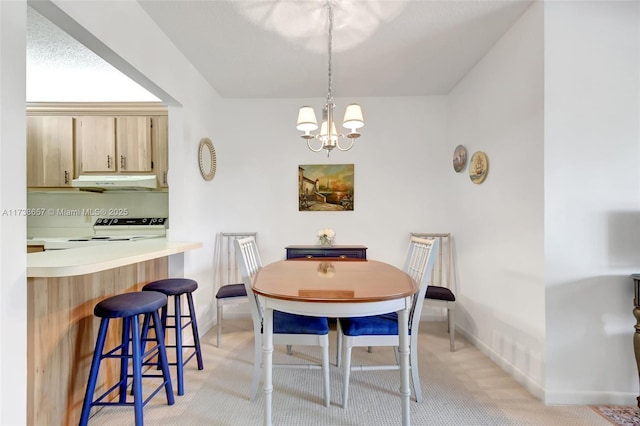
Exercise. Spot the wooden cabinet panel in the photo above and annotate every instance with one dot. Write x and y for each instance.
(68, 139)
(115, 144)
(133, 144)
(160, 149)
(97, 142)
(49, 151)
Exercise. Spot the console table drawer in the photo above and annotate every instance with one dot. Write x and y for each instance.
(335, 252)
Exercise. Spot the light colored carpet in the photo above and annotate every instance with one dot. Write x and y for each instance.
(463, 388)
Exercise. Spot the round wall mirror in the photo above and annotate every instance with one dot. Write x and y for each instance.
(207, 159)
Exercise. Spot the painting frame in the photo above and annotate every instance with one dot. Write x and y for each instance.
(326, 187)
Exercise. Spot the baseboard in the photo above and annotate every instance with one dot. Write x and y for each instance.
(518, 375)
(591, 398)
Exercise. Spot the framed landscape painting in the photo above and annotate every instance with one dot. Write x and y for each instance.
(325, 187)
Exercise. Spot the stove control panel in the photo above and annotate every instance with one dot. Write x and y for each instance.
(131, 221)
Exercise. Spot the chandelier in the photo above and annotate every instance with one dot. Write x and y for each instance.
(328, 136)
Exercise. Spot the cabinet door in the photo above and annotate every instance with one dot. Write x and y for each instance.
(160, 149)
(49, 151)
(133, 142)
(97, 141)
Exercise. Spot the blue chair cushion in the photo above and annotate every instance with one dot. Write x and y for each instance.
(129, 304)
(231, 290)
(172, 286)
(439, 293)
(376, 325)
(286, 323)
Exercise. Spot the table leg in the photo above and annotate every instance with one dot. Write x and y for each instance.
(636, 343)
(267, 359)
(403, 351)
(636, 314)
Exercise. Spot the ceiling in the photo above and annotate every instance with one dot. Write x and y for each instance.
(278, 48)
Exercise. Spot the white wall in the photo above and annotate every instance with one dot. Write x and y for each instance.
(13, 229)
(592, 199)
(498, 226)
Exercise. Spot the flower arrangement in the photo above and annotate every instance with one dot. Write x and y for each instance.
(326, 236)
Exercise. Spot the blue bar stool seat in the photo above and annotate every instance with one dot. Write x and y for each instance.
(177, 287)
(129, 307)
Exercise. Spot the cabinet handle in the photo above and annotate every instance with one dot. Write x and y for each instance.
(309, 256)
(66, 177)
(108, 161)
(123, 162)
(342, 256)
(164, 178)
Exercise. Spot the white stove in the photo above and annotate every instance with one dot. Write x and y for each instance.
(113, 230)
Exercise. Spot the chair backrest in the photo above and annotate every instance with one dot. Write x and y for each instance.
(421, 257)
(250, 263)
(226, 265)
(441, 274)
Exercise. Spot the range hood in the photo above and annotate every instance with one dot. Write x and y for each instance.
(115, 182)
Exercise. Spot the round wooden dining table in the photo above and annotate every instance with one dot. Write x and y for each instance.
(339, 288)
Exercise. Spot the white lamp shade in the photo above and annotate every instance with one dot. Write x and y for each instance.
(306, 119)
(323, 131)
(353, 117)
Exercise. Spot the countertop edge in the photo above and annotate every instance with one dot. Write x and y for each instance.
(95, 259)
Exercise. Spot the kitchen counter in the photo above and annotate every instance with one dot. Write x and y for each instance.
(63, 287)
(91, 259)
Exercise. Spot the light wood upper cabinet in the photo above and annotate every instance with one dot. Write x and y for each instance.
(49, 151)
(97, 143)
(69, 139)
(115, 144)
(160, 149)
(133, 144)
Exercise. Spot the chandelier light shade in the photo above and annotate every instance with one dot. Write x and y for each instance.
(307, 121)
(353, 119)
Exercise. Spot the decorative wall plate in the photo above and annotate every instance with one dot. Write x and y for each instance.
(478, 167)
(207, 159)
(459, 158)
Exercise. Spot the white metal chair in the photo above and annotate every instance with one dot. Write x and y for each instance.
(227, 278)
(382, 330)
(288, 329)
(439, 293)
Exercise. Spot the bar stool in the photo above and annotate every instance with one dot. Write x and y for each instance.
(177, 287)
(129, 306)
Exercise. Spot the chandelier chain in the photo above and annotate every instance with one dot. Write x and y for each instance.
(329, 45)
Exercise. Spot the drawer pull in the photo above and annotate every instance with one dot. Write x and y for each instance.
(342, 256)
(309, 256)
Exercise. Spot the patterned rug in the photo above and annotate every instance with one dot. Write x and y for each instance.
(619, 414)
